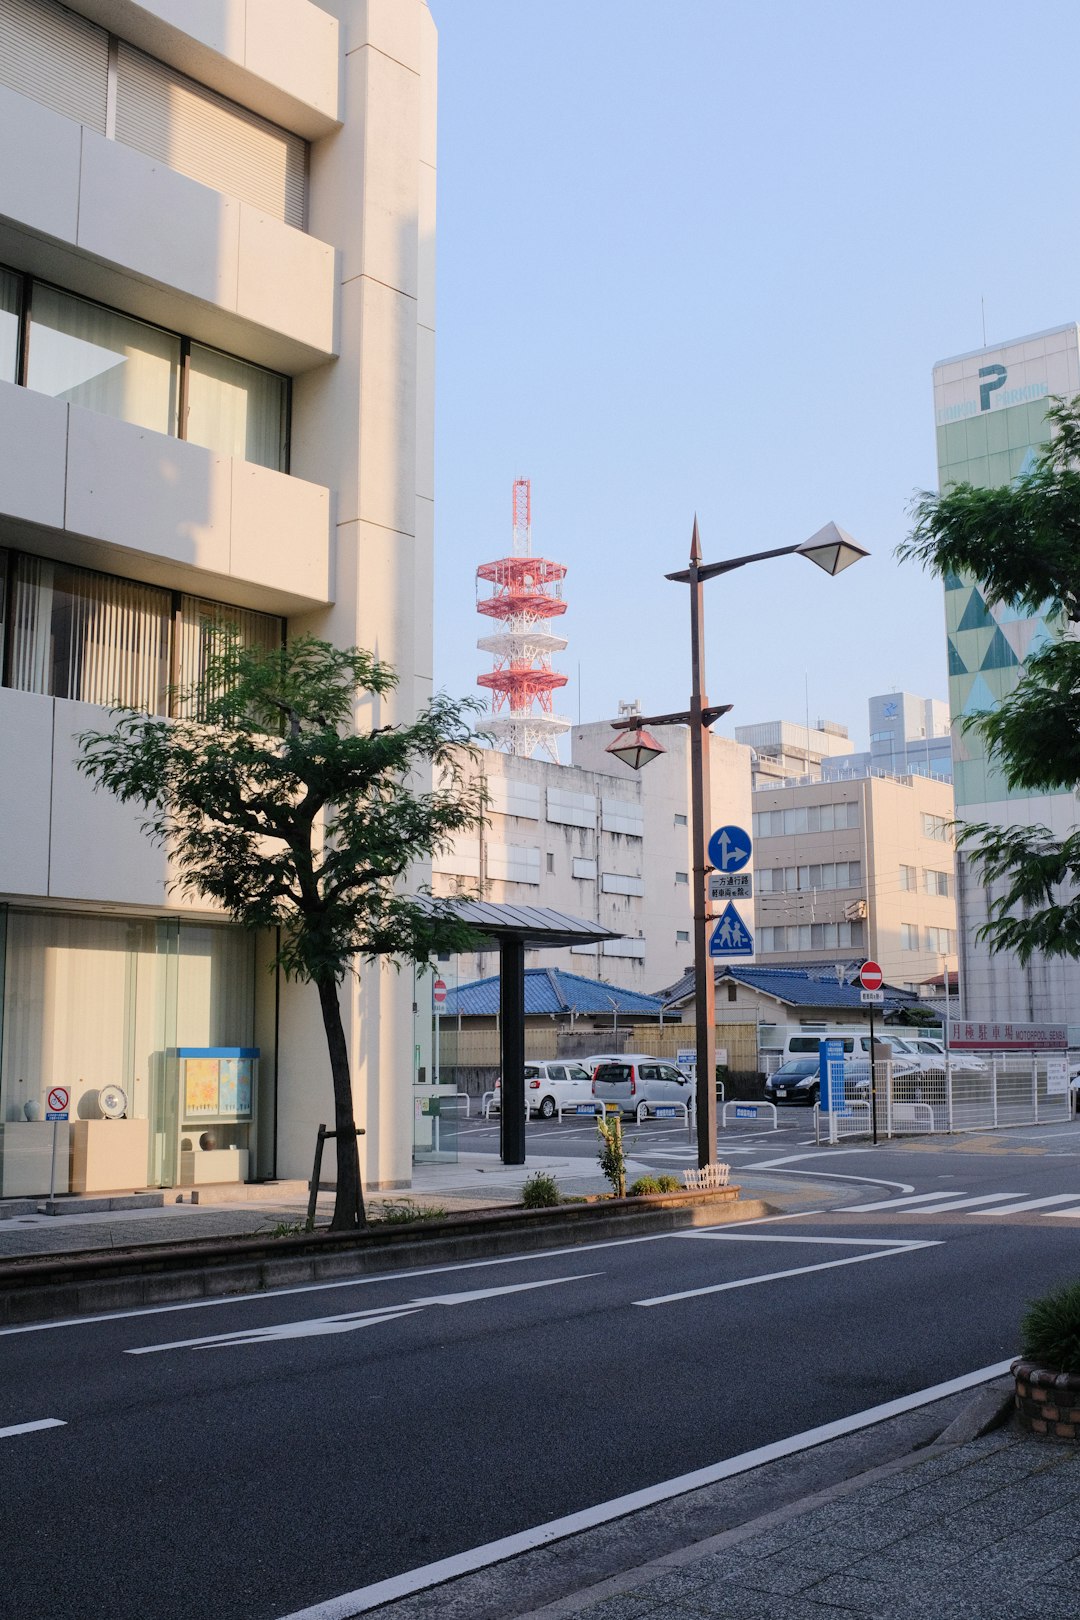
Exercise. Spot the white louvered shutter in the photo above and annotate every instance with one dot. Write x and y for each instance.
(181, 123)
(56, 58)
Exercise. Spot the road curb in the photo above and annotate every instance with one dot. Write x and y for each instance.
(986, 1411)
(35, 1290)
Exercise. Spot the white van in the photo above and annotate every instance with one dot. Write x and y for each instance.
(804, 1043)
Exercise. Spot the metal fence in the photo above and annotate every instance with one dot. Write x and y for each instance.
(996, 1088)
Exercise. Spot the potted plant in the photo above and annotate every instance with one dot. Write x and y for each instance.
(1048, 1372)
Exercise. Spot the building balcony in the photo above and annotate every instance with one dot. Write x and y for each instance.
(89, 489)
(214, 267)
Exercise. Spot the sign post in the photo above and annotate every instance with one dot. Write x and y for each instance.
(56, 1109)
(438, 997)
(870, 977)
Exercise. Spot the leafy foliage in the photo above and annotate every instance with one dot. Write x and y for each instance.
(540, 1191)
(1050, 1331)
(273, 805)
(612, 1155)
(1021, 544)
(652, 1184)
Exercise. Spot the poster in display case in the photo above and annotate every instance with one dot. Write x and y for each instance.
(217, 1083)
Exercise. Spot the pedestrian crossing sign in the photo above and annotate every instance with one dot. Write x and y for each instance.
(731, 937)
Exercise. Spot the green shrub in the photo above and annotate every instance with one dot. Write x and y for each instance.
(612, 1154)
(397, 1214)
(643, 1185)
(668, 1184)
(540, 1191)
(1050, 1331)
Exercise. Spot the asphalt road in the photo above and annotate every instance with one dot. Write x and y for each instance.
(246, 1459)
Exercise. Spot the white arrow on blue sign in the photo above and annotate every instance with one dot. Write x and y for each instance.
(731, 937)
(729, 849)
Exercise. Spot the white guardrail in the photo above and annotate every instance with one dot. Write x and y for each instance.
(747, 1110)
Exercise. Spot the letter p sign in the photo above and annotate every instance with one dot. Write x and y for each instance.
(997, 375)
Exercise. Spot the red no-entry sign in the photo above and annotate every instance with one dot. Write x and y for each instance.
(870, 976)
(438, 992)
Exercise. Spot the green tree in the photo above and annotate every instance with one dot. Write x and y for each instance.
(271, 803)
(1021, 544)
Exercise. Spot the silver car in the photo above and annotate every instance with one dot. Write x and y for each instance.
(639, 1086)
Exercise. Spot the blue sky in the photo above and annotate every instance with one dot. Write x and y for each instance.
(702, 256)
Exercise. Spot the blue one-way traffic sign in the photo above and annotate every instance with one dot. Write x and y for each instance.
(729, 849)
(731, 937)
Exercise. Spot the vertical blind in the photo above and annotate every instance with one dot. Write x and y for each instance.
(97, 638)
(56, 58)
(59, 59)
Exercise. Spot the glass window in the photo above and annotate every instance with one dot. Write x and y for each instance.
(235, 408)
(92, 637)
(937, 883)
(10, 305)
(909, 937)
(680, 820)
(107, 362)
(936, 827)
(682, 877)
(908, 877)
(199, 620)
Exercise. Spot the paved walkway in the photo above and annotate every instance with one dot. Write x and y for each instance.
(476, 1181)
(984, 1531)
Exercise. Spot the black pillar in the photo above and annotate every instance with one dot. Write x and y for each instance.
(512, 1050)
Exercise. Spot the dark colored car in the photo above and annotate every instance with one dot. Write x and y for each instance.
(796, 1081)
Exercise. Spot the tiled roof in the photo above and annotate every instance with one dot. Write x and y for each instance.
(550, 990)
(795, 986)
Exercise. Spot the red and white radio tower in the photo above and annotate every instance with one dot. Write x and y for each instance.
(526, 592)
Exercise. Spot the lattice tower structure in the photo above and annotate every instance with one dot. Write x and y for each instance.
(523, 594)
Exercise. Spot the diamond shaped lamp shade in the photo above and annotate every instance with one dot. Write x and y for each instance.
(832, 548)
(635, 748)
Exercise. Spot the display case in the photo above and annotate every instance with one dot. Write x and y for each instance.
(218, 1090)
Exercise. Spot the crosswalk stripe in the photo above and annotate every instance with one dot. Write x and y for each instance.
(964, 1203)
(1035, 1203)
(897, 1203)
(1063, 1214)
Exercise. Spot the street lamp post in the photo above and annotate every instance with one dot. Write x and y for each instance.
(831, 549)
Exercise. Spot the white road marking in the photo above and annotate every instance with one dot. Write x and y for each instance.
(779, 1276)
(776, 1237)
(963, 1203)
(1062, 1214)
(542, 1535)
(794, 1158)
(350, 1322)
(31, 1428)
(898, 1203)
(1034, 1203)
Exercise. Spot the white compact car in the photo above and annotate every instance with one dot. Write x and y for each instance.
(549, 1086)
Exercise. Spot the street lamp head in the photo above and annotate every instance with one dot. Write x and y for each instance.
(832, 548)
(635, 748)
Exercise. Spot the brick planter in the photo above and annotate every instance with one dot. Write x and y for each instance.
(1047, 1403)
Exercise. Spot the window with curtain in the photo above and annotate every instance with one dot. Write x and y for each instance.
(236, 408)
(91, 637)
(201, 621)
(91, 356)
(10, 304)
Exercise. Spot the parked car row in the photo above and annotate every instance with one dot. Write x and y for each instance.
(634, 1082)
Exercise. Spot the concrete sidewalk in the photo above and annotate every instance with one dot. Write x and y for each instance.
(476, 1181)
(988, 1530)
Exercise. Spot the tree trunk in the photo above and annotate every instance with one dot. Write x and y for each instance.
(349, 1203)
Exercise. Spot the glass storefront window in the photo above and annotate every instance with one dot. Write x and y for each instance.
(200, 620)
(92, 1001)
(110, 363)
(88, 636)
(236, 408)
(10, 303)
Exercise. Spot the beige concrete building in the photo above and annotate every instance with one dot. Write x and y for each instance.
(860, 867)
(216, 398)
(598, 840)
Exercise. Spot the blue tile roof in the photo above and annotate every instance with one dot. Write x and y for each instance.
(795, 986)
(550, 990)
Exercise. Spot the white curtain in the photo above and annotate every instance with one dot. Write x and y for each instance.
(200, 620)
(106, 362)
(91, 637)
(236, 409)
